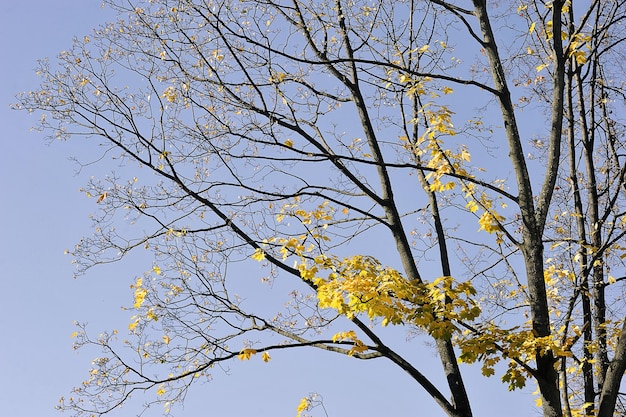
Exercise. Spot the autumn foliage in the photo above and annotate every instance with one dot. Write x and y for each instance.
(455, 169)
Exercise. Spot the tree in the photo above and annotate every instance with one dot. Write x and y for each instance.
(289, 135)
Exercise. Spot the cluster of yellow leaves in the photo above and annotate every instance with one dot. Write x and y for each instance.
(170, 94)
(519, 343)
(443, 162)
(139, 298)
(577, 42)
(429, 145)
(150, 312)
(554, 275)
(358, 346)
(140, 293)
(246, 353)
(413, 86)
(439, 121)
(489, 221)
(322, 213)
(360, 284)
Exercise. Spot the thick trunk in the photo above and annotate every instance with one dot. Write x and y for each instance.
(547, 375)
(613, 378)
(587, 367)
(533, 219)
(593, 215)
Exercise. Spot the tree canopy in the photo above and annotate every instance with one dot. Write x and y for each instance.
(454, 168)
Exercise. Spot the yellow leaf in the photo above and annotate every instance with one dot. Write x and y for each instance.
(447, 90)
(217, 55)
(542, 66)
(487, 371)
(161, 390)
(73, 335)
(344, 335)
(304, 405)
(170, 95)
(140, 295)
(357, 348)
(532, 27)
(258, 255)
(245, 354)
(151, 315)
(166, 339)
(289, 143)
(156, 270)
(132, 326)
(580, 56)
(102, 197)
(266, 357)
(423, 49)
(278, 77)
(490, 222)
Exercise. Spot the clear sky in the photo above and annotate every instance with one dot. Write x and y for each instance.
(43, 213)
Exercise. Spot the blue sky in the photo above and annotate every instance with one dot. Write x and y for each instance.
(43, 214)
